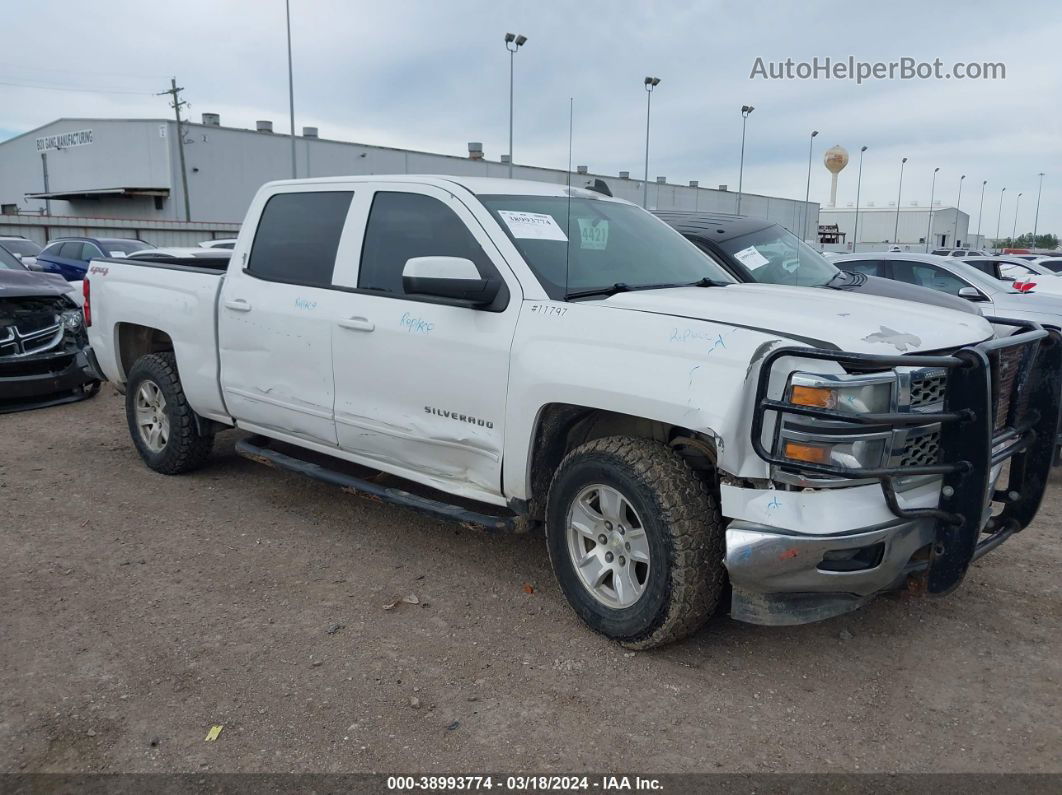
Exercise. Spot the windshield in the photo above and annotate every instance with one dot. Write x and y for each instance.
(122, 247)
(9, 261)
(774, 255)
(26, 248)
(611, 243)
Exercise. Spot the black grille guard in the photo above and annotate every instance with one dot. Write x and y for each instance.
(967, 440)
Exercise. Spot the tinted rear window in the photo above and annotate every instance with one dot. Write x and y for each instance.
(24, 247)
(298, 236)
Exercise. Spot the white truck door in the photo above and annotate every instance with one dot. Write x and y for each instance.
(421, 383)
(276, 313)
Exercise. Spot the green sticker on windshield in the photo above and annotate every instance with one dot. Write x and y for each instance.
(593, 233)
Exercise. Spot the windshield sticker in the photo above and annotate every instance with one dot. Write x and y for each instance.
(118, 254)
(751, 258)
(593, 233)
(533, 226)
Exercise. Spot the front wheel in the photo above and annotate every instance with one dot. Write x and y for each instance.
(636, 541)
(161, 422)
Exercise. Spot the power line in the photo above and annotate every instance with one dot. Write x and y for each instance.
(83, 90)
(36, 69)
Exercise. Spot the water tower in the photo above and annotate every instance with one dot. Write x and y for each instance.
(836, 158)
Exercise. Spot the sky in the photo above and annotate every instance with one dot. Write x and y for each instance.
(435, 75)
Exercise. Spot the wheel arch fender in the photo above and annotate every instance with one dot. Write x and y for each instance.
(560, 427)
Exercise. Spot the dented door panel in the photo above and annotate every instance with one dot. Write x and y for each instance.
(276, 356)
(424, 390)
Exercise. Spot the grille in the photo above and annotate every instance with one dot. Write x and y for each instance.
(928, 390)
(1006, 367)
(922, 450)
(13, 368)
(29, 325)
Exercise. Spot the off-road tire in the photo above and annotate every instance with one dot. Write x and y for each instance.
(684, 526)
(185, 449)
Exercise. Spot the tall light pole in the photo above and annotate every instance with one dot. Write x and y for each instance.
(513, 42)
(1036, 220)
(932, 190)
(650, 84)
(859, 182)
(980, 208)
(955, 229)
(899, 192)
(999, 215)
(1014, 230)
(745, 111)
(291, 90)
(807, 190)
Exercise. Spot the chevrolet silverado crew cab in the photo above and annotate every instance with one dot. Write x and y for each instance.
(524, 354)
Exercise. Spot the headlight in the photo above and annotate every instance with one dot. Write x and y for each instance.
(861, 453)
(72, 319)
(858, 394)
(830, 442)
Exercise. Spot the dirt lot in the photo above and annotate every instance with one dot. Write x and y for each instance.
(138, 610)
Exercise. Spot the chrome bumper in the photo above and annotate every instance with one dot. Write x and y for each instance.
(780, 578)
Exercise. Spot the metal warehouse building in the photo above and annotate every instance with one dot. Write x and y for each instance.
(878, 226)
(106, 175)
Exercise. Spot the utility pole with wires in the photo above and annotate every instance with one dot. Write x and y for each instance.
(177, 103)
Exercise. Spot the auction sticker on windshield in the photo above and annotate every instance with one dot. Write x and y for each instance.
(533, 226)
(751, 258)
(593, 233)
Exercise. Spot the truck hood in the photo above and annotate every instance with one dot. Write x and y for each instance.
(23, 284)
(821, 318)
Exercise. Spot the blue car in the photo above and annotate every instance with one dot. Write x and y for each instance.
(69, 256)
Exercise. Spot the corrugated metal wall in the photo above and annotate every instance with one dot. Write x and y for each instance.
(42, 228)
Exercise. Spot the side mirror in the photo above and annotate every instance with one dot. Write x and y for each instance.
(971, 294)
(448, 277)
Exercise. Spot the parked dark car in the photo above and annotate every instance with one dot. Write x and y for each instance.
(757, 250)
(44, 354)
(69, 256)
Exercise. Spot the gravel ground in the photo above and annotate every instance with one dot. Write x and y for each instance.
(138, 610)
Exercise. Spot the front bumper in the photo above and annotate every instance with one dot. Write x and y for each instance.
(784, 577)
(48, 380)
(781, 578)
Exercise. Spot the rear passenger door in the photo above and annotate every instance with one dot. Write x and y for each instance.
(928, 275)
(276, 314)
(421, 383)
(64, 259)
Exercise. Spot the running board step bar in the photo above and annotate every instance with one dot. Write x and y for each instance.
(256, 448)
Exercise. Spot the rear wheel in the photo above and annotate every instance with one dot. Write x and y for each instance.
(161, 422)
(636, 541)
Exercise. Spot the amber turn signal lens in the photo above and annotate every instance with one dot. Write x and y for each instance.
(816, 396)
(813, 454)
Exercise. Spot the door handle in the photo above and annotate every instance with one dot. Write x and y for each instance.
(357, 324)
(237, 305)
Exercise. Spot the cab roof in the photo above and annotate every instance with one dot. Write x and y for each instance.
(481, 186)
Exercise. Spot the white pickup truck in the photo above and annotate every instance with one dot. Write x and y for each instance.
(525, 354)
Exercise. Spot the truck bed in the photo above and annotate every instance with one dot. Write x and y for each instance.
(127, 294)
